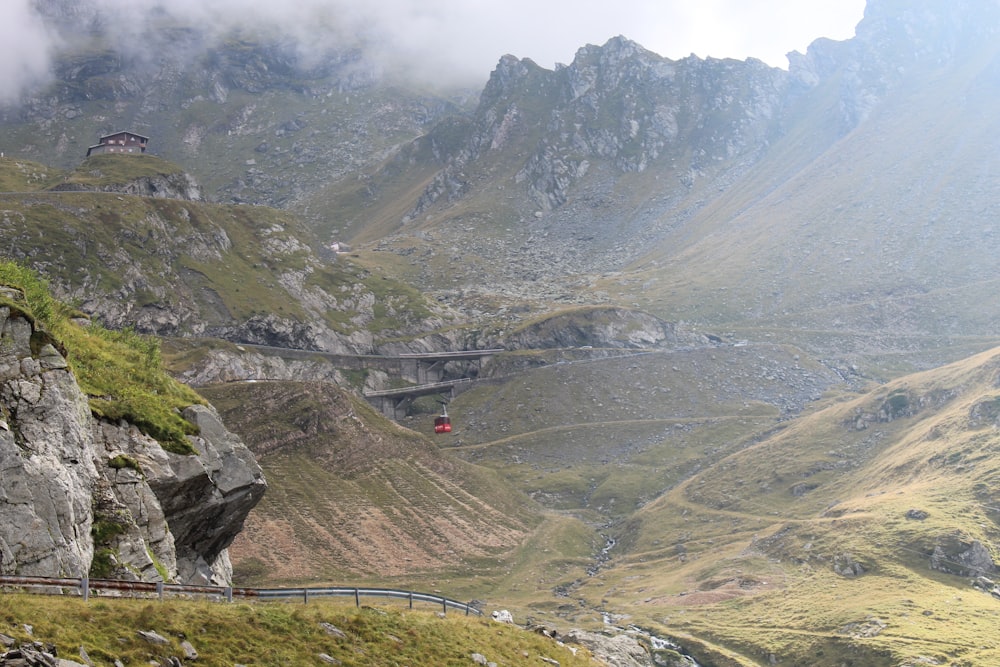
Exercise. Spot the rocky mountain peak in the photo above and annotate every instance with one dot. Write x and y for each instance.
(897, 41)
(927, 30)
(509, 73)
(612, 54)
(618, 103)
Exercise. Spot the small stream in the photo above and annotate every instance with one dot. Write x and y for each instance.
(603, 556)
(657, 643)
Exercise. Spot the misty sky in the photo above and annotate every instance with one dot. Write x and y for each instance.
(466, 38)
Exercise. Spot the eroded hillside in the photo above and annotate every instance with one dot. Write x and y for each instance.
(361, 498)
(170, 265)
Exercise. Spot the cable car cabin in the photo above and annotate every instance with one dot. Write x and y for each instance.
(442, 424)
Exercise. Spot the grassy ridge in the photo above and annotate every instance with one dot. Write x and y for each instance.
(18, 175)
(107, 170)
(269, 634)
(228, 263)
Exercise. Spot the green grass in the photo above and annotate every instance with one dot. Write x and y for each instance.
(106, 170)
(26, 176)
(121, 372)
(269, 634)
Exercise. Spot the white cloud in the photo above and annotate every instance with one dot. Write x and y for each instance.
(466, 38)
(26, 46)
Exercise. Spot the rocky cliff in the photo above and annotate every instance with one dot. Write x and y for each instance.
(546, 152)
(81, 495)
(162, 186)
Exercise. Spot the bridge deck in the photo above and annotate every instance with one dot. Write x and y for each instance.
(460, 354)
(418, 390)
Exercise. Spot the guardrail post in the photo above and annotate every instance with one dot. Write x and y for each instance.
(411, 599)
(229, 593)
(159, 590)
(305, 596)
(357, 598)
(85, 588)
(444, 604)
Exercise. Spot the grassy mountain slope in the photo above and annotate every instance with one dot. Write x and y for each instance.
(603, 437)
(359, 498)
(854, 533)
(18, 175)
(173, 266)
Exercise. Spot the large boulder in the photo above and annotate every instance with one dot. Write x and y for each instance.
(80, 496)
(47, 469)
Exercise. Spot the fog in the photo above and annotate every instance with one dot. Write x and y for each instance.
(443, 40)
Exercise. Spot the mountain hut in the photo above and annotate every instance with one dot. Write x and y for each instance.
(119, 142)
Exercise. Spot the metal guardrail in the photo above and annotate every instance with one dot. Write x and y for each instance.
(228, 593)
(357, 593)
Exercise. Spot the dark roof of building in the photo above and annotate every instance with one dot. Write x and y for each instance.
(135, 134)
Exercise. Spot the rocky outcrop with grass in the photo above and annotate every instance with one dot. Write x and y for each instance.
(593, 327)
(86, 496)
(176, 185)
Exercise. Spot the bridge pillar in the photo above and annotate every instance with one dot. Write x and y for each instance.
(401, 407)
(423, 371)
(409, 370)
(386, 405)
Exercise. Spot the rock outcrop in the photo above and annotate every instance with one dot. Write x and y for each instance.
(595, 327)
(617, 104)
(617, 649)
(79, 495)
(178, 185)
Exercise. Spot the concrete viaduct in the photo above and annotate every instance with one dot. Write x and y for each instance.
(425, 369)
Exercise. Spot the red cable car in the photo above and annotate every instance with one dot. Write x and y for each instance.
(442, 423)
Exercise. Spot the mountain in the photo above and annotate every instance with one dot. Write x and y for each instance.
(256, 118)
(747, 399)
(850, 195)
(725, 193)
